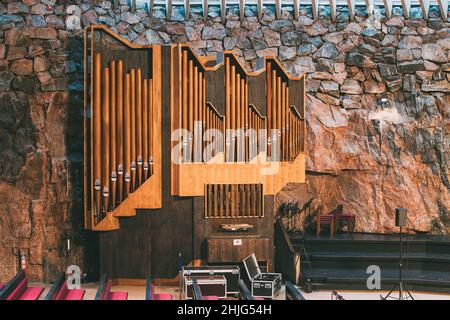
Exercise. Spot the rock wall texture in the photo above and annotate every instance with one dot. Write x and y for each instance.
(369, 155)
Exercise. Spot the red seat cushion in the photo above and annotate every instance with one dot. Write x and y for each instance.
(74, 294)
(62, 291)
(210, 298)
(118, 295)
(19, 290)
(326, 218)
(31, 293)
(163, 296)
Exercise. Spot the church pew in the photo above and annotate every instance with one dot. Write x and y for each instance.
(151, 295)
(197, 293)
(17, 289)
(60, 291)
(292, 293)
(104, 291)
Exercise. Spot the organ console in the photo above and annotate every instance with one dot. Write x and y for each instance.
(202, 141)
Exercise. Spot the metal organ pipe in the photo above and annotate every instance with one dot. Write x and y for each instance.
(138, 132)
(112, 138)
(105, 140)
(97, 137)
(127, 134)
(120, 121)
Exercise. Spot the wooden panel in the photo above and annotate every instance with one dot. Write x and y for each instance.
(274, 176)
(219, 203)
(223, 250)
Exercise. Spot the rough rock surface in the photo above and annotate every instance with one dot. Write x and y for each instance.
(368, 157)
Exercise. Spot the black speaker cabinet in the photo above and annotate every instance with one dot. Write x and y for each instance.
(400, 217)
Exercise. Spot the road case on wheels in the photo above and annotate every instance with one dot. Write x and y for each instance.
(263, 285)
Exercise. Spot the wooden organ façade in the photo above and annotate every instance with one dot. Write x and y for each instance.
(184, 154)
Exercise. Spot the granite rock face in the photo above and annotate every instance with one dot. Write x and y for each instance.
(369, 156)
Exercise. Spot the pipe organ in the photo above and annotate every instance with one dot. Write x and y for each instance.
(120, 123)
(184, 145)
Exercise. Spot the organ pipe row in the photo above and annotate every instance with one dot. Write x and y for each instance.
(234, 201)
(237, 111)
(215, 122)
(195, 115)
(121, 123)
(295, 134)
(284, 124)
(246, 132)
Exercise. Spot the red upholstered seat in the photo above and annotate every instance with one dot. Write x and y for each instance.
(118, 296)
(31, 293)
(163, 296)
(210, 298)
(74, 294)
(19, 290)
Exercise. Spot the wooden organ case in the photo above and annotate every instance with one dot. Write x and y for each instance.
(181, 151)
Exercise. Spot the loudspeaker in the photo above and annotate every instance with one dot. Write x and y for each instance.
(400, 217)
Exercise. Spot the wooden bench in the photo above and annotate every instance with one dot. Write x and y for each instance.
(60, 291)
(292, 293)
(244, 292)
(151, 295)
(197, 293)
(104, 291)
(17, 289)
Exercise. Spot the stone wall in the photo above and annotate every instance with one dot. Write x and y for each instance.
(369, 157)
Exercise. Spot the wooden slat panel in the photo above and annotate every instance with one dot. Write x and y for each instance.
(222, 250)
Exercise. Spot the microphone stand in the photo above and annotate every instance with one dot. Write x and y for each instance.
(400, 286)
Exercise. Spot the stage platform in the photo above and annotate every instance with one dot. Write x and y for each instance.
(342, 262)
